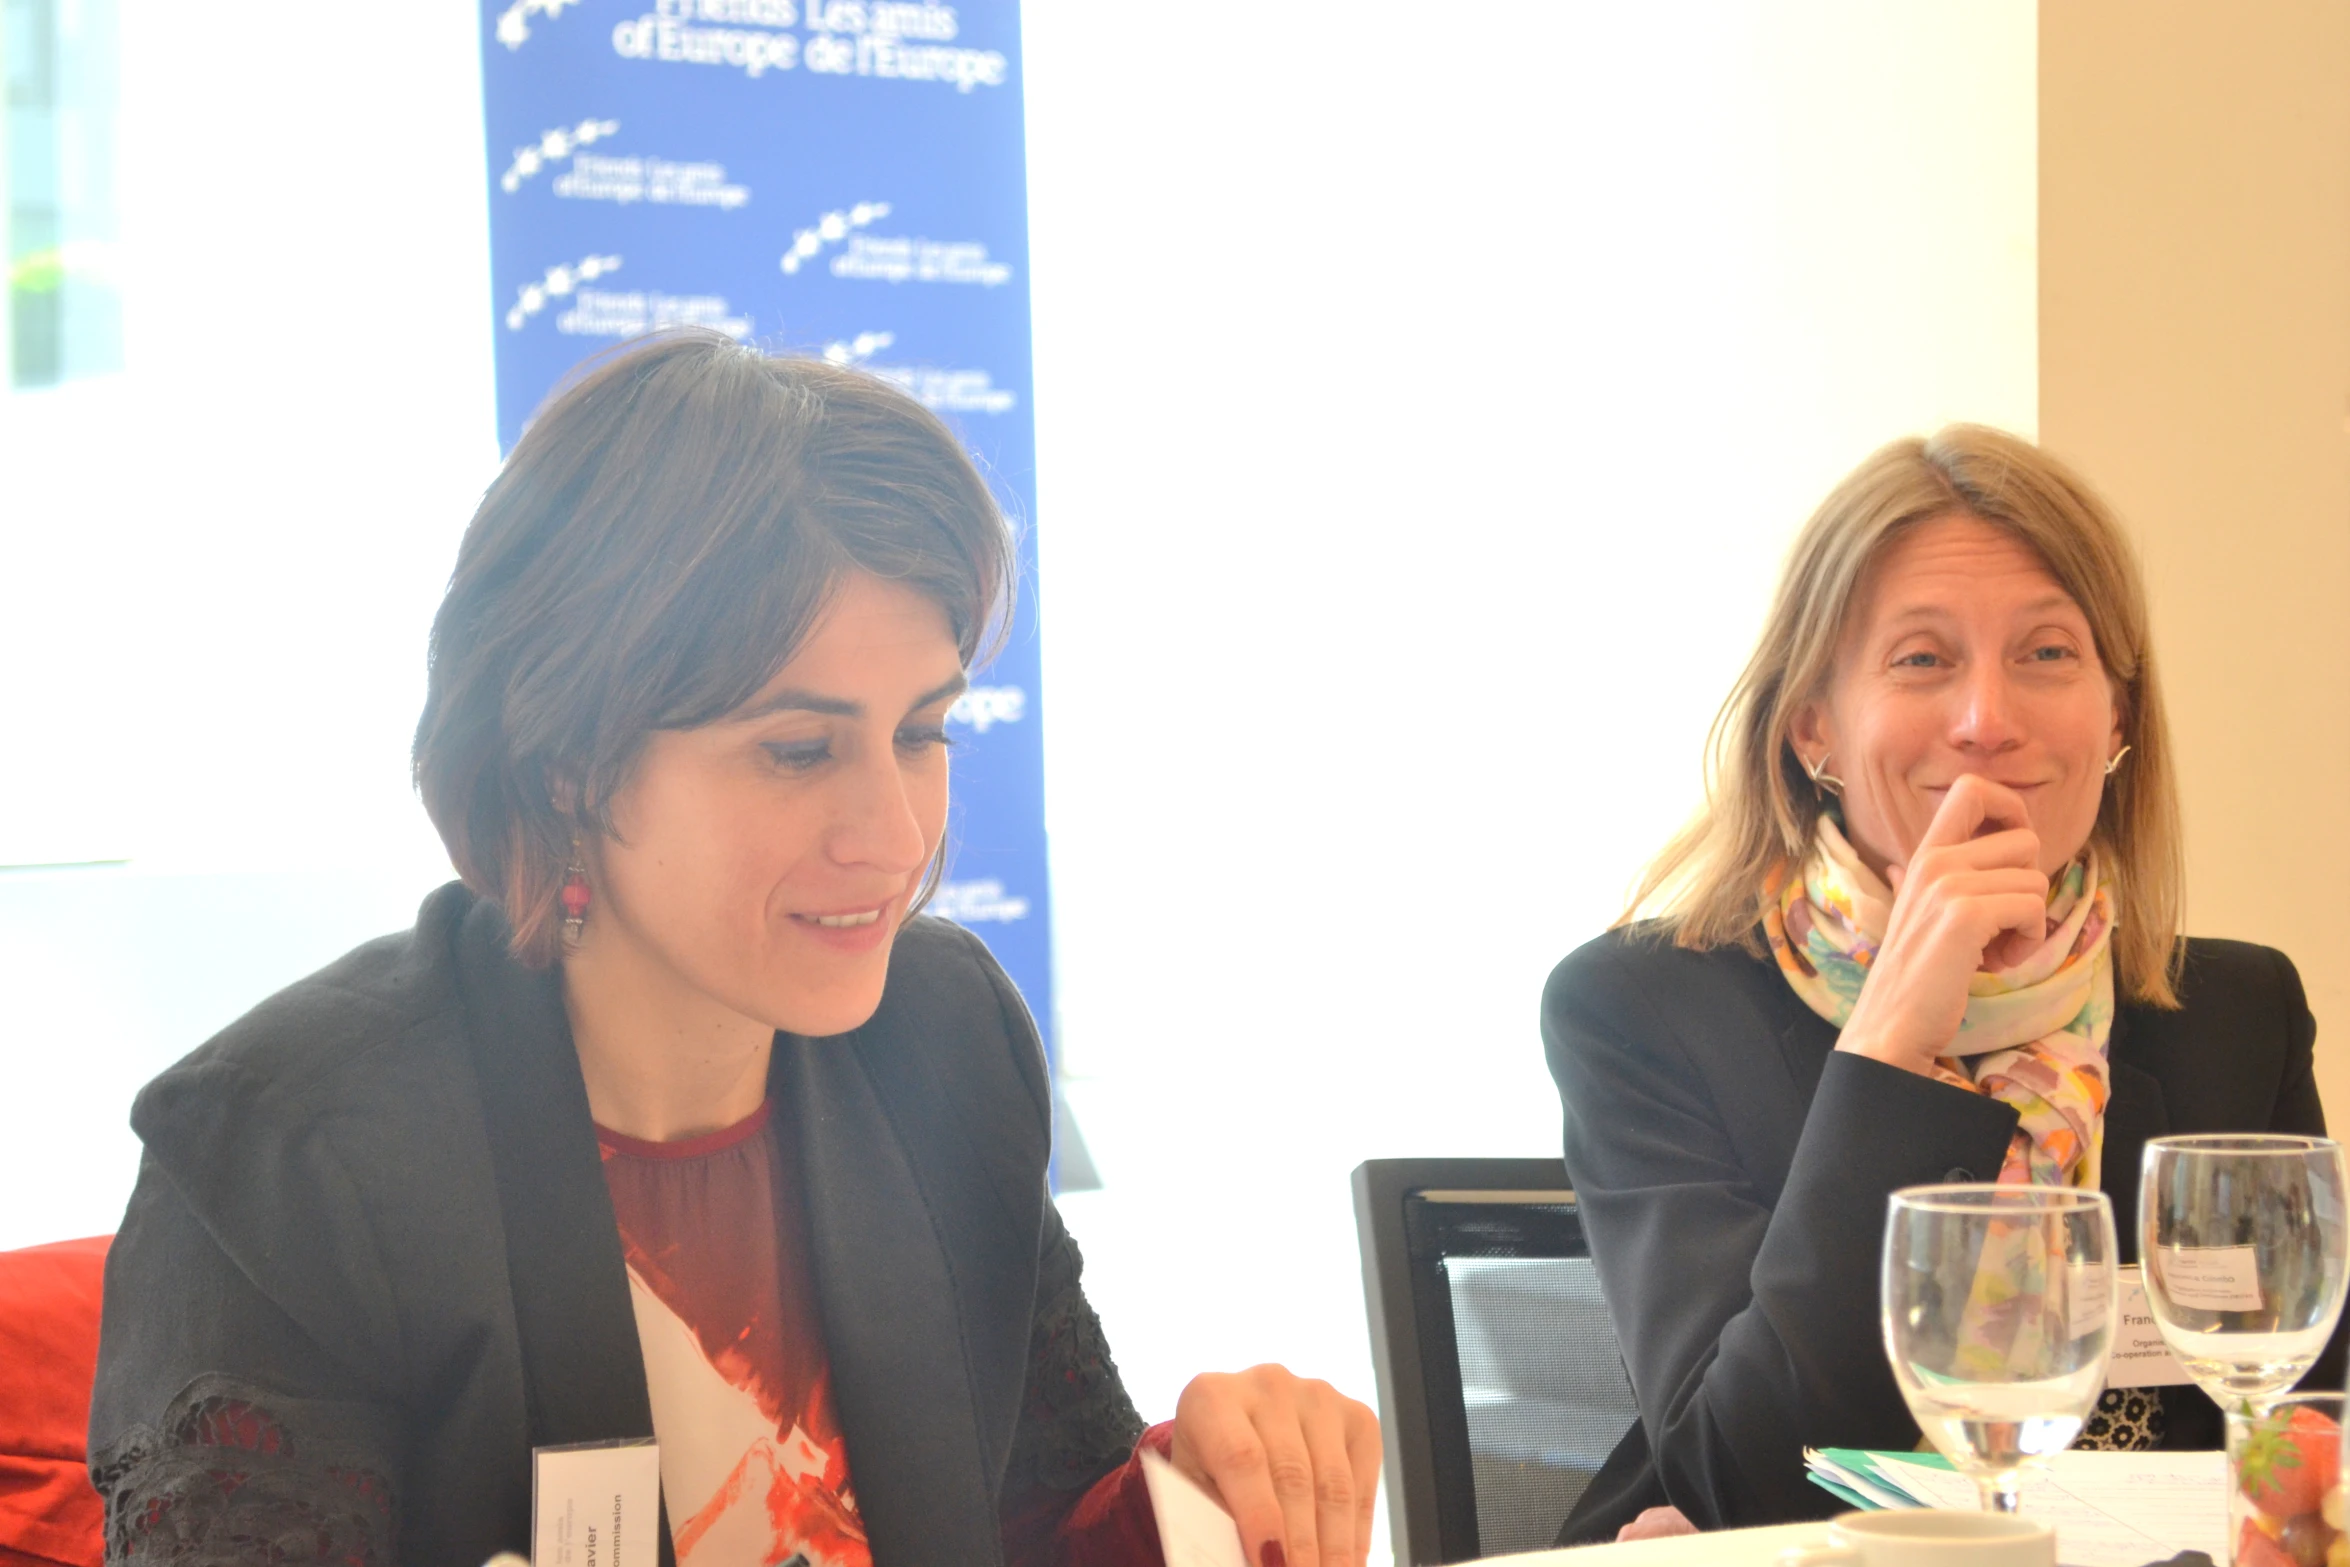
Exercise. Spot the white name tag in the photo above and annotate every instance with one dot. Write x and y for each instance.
(2140, 1358)
(2212, 1278)
(596, 1504)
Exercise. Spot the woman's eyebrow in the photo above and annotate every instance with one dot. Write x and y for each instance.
(945, 690)
(791, 699)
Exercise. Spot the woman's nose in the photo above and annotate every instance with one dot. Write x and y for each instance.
(1986, 716)
(875, 822)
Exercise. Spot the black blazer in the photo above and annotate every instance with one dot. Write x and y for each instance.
(1733, 1168)
(371, 1262)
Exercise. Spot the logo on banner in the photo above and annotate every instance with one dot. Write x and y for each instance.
(984, 707)
(624, 180)
(858, 349)
(830, 229)
(900, 259)
(657, 180)
(900, 40)
(552, 147)
(667, 35)
(603, 312)
(940, 391)
(889, 56)
(976, 903)
(560, 282)
(514, 21)
(950, 391)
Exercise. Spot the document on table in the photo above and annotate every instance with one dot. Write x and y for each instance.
(2108, 1509)
(1194, 1529)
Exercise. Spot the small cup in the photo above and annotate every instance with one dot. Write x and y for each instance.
(2285, 1494)
(1929, 1537)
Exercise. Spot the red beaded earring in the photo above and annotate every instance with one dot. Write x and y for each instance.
(576, 897)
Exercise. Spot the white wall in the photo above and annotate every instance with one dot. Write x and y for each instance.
(218, 567)
(2195, 339)
(221, 563)
(1425, 396)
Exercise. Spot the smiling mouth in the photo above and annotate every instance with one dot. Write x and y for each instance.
(2019, 788)
(841, 921)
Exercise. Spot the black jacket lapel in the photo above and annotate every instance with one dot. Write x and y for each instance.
(892, 1319)
(582, 1366)
(2135, 1111)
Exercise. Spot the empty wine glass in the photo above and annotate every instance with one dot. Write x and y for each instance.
(1998, 1307)
(2245, 1256)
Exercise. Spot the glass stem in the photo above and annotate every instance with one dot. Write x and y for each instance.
(2000, 1494)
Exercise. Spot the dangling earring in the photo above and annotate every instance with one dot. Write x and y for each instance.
(1821, 779)
(576, 898)
(2117, 760)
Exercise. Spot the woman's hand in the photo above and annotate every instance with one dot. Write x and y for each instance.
(1296, 1464)
(1971, 897)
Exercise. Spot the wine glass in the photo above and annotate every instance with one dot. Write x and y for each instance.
(1999, 1309)
(2245, 1256)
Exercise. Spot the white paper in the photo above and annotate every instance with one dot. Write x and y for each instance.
(1194, 1529)
(596, 1505)
(2212, 1278)
(1866, 1484)
(2140, 1358)
(2088, 1291)
(2108, 1509)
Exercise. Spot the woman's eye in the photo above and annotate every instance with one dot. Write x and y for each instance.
(800, 756)
(1918, 660)
(923, 737)
(2052, 653)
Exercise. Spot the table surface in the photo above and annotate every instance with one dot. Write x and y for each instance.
(1723, 1548)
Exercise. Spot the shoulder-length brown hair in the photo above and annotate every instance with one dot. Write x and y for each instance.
(1706, 888)
(664, 536)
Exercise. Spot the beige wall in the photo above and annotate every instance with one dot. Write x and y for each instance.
(2195, 364)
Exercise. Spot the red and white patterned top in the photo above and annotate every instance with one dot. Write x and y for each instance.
(754, 1467)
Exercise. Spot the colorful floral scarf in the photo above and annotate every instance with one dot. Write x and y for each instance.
(2034, 1035)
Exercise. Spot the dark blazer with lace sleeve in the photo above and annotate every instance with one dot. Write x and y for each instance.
(1733, 1167)
(371, 1263)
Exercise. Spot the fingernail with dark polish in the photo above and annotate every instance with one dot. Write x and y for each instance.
(1272, 1555)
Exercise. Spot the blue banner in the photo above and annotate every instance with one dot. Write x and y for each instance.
(841, 177)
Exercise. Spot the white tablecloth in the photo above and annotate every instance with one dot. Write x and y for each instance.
(1723, 1548)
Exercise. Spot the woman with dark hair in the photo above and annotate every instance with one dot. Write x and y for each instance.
(672, 1120)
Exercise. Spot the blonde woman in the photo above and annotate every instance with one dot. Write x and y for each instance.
(1926, 929)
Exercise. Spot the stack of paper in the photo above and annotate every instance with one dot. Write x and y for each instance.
(2108, 1509)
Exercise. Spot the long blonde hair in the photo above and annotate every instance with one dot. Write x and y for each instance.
(1706, 888)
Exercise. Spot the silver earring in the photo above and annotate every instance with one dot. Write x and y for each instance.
(1821, 778)
(2117, 760)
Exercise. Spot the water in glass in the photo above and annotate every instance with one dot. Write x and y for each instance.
(1998, 1312)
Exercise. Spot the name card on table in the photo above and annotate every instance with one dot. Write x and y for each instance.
(2139, 1357)
(596, 1504)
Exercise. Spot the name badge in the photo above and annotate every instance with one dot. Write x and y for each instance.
(2212, 1278)
(2139, 1357)
(596, 1504)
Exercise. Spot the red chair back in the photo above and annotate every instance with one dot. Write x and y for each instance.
(48, 1358)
